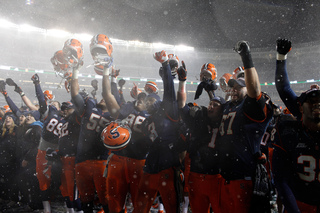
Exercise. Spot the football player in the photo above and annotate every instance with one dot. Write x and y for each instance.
(91, 157)
(125, 167)
(163, 156)
(244, 121)
(68, 143)
(296, 157)
(204, 179)
(52, 123)
(208, 75)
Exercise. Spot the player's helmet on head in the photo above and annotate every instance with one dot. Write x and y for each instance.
(151, 87)
(7, 108)
(238, 73)
(100, 47)
(48, 95)
(210, 69)
(224, 81)
(174, 63)
(73, 52)
(116, 135)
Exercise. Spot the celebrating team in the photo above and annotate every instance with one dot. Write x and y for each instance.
(219, 157)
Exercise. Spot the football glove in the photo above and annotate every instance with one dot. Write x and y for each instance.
(283, 46)
(242, 47)
(10, 82)
(121, 82)
(182, 72)
(3, 87)
(161, 56)
(115, 73)
(35, 79)
(94, 84)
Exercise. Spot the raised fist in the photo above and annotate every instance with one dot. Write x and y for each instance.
(242, 47)
(115, 73)
(35, 79)
(161, 56)
(10, 82)
(182, 72)
(3, 87)
(283, 46)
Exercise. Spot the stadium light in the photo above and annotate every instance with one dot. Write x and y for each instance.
(57, 33)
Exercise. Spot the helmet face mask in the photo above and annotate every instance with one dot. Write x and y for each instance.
(73, 52)
(101, 49)
(60, 64)
(208, 71)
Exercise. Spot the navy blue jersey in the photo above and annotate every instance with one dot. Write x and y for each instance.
(296, 163)
(69, 135)
(52, 124)
(202, 151)
(93, 120)
(139, 144)
(162, 129)
(242, 128)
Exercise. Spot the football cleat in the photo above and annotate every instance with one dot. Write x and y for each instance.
(238, 73)
(48, 95)
(101, 50)
(73, 52)
(151, 87)
(208, 71)
(116, 135)
(224, 81)
(174, 63)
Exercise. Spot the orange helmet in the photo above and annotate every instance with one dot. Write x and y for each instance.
(224, 81)
(238, 73)
(210, 69)
(151, 87)
(100, 47)
(116, 135)
(135, 91)
(7, 108)
(98, 69)
(60, 64)
(73, 52)
(48, 95)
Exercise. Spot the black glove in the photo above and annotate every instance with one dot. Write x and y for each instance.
(283, 46)
(121, 82)
(207, 84)
(35, 79)
(94, 84)
(242, 47)
(10, 82)
(182, 72)
(52, 155)
(3, 87)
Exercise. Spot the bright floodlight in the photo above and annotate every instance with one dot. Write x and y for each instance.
(183, 47)
(58, 33)
(7, 24)
(83, 37)
(29, 28)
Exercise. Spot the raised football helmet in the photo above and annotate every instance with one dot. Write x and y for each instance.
(116, 135)
(238, 73)
(101, 50)
(60, 64)
(174, 63)
(151, 87)
(208, 70)
(224, 81)
(48, 95)
(73, 52)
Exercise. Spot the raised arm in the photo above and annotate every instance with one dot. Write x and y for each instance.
(74, 90)
(181, 93)
(251, 75)
(107, 95)
(287, 95)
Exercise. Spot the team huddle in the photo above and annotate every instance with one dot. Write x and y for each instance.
(161, 154)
